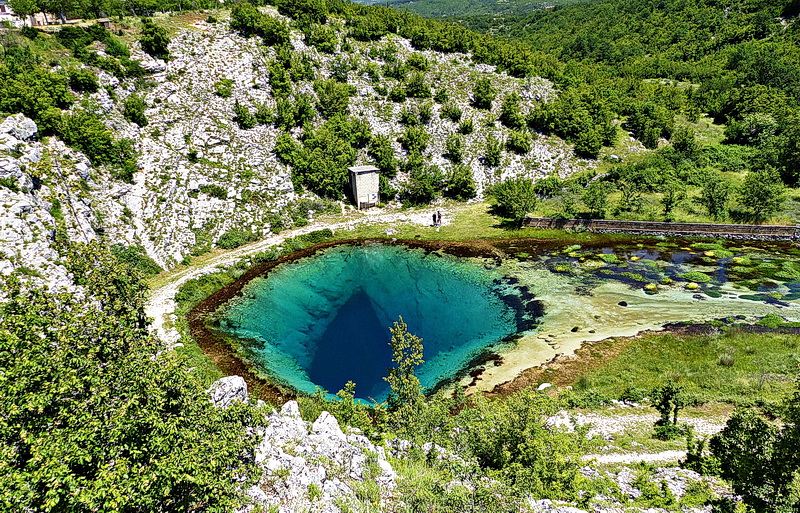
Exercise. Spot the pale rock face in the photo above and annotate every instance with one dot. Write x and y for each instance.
(19, 126)
(227, 390)
(298, 456)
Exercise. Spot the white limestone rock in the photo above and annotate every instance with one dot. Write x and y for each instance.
(227, 390)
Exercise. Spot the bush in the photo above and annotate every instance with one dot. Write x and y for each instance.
(460, 184)
(466, 127)
(515, 198)
(154, 39)
(452, 112)
(493, 151)
(483, 94)
(244, 118)
(224, 88)
(414, 139)
(215, 191)
(518, 142)
(136, 258)
(83, 80)
(235, 238)
(133, 109)
(454, 147)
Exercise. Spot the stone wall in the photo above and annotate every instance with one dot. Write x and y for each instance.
(725, 231)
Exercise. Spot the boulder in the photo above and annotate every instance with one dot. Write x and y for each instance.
(19, 126)
(227, 390)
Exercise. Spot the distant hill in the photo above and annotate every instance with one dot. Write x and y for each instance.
(470, 8)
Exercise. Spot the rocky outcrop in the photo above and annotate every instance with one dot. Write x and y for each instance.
(227, 390)
(307, 466)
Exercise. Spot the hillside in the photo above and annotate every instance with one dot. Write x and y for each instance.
(188, 147)
(473, 8)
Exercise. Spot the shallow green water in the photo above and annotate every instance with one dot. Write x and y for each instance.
(323, 320)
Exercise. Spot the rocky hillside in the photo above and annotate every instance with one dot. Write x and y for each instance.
(203, 172)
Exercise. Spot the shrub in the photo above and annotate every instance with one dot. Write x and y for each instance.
(133, 109)
(235, 238)
(136, 258)
(414, 139)
(154, 39)
(452, 112)
(696, 276)
(460, 184)
(493, 151)
(83, 80)
(483, 94)
(466, 127)
(454, 147)
(515, 198)
(224, 88)
(518, 142)
(244, 118)
(215, 191)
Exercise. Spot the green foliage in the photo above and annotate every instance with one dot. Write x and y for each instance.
(510, 439)
(649, 122)
(334, 97)
(416, 86)
(714, 195)
(223, 88)
(595, 197)
(510, 114)
(454, 147)
(406, 390)
(762, 193)
(93, 420)
(154, 39)
(460, 184)
(83, 80)
(249, 21)
(235, 238)
(425, 181)
(85, 132)
(483, 94)
(493, 151)
(244, 118)
(414, 139)
(214, 190)
(320, 163)
(668, 399)
(516, 198)
(451, 111)
(381, 151)
(518, 142)
(136, 258)
(760, 459)
(133, 109)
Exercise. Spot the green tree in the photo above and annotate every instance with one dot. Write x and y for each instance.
(461, 184)
(407, 350)
(516, 198)
(759, 459)
(483, 94)
(493, 151)
(133, 109)
(595, 197)
(334, 97)
(154, 39)
(668, 399)
(714, 195)
(454, 148)
(244, 118)
(510, 114)
(762, 193)
(96, 416)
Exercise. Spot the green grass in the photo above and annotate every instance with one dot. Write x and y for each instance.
(733, 367)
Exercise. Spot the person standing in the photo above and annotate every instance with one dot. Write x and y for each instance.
(435, 218)
(438, 218)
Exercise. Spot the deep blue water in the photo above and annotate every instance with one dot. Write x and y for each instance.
(324, 320)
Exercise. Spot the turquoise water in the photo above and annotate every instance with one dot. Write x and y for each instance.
(323, 320)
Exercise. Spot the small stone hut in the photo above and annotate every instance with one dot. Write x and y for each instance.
(365, 185)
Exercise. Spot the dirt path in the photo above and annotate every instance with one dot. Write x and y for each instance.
(161, 305)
